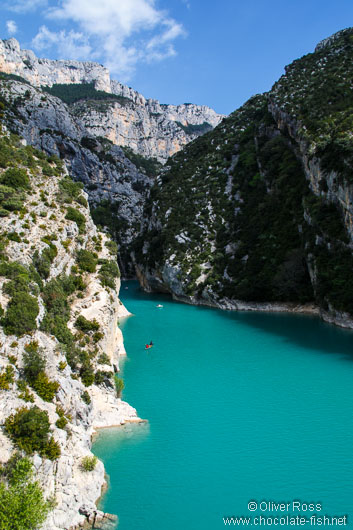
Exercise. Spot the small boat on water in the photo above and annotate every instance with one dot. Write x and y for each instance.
(159, 305)
(148, 346)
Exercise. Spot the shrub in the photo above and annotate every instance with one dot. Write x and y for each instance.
(51, 449)
(103, 359)
(7, 378)
(13, 236)
(26, 395)
(69, 189)
(86, 325)
(87, 374)
(45, 388)
(119, 385)
(108, 273)
(22, 504)
(62, 365)
(34, 362)
(86, 260)
(28, 429)
(61, 422)
(34, 366)
(88, 463)
(21, 314)
(112, 246)
(15, 178)
(97, 336)
(101, 377)
(76, 216)
(86, 398)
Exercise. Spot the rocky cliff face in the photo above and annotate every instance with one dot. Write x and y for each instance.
(56, 268)
(110, 178)
(146, 126)
(267, 199)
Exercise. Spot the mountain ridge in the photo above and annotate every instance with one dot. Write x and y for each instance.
(145, 125)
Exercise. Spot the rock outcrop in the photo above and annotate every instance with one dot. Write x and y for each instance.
(148, 127)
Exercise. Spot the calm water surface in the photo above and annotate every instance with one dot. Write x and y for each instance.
(241, 406)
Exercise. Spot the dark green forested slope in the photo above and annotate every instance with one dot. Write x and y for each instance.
(260, 209)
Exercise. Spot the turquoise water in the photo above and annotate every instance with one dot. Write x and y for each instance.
(241, 406)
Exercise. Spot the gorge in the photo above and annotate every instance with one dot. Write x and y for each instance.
(253, 211)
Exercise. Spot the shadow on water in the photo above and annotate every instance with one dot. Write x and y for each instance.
(305, 331)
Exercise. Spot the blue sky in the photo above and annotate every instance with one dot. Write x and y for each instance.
(216, 53)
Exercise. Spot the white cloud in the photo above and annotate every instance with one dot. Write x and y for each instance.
(24, 6)
(70, 45)
(122, 32)
(11, 27)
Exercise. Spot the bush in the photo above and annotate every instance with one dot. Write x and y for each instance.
(112, 246)
(45, 388)
(103, 359)
(28, 429)
(22, 504)
(15, 178)
(69, 189)
(87, 374)
(86, 398)
(101, 377)
(51, 449)
(108, 273)
(21, 314)
(34, 362)
(7, 378)
(88, 463)
(34, 366)
(97, 336)
(76, 216)
(86, 260)
(86, 325)
(61, 422)
(119, 385)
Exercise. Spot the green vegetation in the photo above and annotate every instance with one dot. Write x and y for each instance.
(21, 314)
(15, 178)
(7, 377)
(71, 93)
(108, 273)
(119, 385)
(55, 297)
(13, 77)
(22, 504)
(86, 260)
(34, 372)
(200, 128)
(150, 166)
(88, 463)
(316, 90)
(77, 217)
(86, 397)
(70, 191)
(86, 325)
(248, 221)
(29, 430)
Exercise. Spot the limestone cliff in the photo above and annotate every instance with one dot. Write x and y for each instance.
(266, 218)
(59, 286)
(149, 128)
